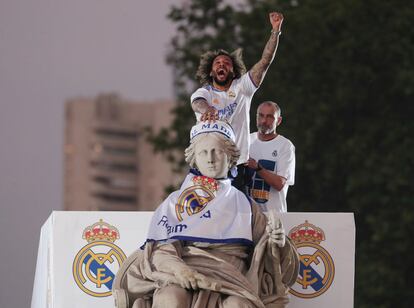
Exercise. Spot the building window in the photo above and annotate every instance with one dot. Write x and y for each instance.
(116, 133)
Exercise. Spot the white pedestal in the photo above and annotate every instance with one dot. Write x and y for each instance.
(72, 272)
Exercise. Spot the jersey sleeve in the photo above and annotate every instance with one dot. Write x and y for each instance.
(247, 85)
(287, 163)
(201, 93)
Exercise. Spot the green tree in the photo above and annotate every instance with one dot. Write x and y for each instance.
(344, 76)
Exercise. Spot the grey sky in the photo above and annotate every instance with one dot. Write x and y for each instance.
(50, 51)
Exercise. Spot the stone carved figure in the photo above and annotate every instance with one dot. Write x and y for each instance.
(208, 245)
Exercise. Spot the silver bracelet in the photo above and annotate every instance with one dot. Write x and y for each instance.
(276, 32)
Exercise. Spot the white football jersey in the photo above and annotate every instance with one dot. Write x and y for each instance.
(278, 156)
(233, 106)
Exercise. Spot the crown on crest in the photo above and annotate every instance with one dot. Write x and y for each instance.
(100, 231)
(209, 183)
(307, 232)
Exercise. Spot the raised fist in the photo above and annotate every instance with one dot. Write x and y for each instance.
(276, 20)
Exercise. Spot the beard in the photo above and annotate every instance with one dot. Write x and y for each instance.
(266, 130)
(224, 82)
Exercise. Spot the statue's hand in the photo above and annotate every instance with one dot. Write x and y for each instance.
(188, 278)
(275, 230)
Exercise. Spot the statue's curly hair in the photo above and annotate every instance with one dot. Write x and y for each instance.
(206, 63)
(229, 146)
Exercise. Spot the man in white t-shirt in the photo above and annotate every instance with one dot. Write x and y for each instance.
(272, 161)
(228, 90)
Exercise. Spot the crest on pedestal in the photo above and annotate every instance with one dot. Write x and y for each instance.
(96, 264)
(317, 269)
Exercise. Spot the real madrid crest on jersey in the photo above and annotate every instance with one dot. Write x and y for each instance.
(317, 269)
(96, 264)
(195, 198)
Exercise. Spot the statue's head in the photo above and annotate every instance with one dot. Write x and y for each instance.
(212, 149)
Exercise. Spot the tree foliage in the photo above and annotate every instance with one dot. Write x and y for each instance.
(344, 77)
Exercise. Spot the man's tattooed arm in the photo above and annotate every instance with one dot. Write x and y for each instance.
(258, 71)
(200, 105)
(208, 113)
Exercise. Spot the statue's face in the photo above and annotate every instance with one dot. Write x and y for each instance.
(210, 157)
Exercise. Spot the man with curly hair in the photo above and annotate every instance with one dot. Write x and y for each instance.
(227, 90)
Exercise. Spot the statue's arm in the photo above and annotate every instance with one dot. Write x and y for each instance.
(167, 258)
(258, 223)
(287, 255)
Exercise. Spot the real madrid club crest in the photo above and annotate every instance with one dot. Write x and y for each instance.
(195, 198)
(317, 269)
(96, 264)
(231, 94)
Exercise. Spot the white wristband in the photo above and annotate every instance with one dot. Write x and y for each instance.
(276, 32)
